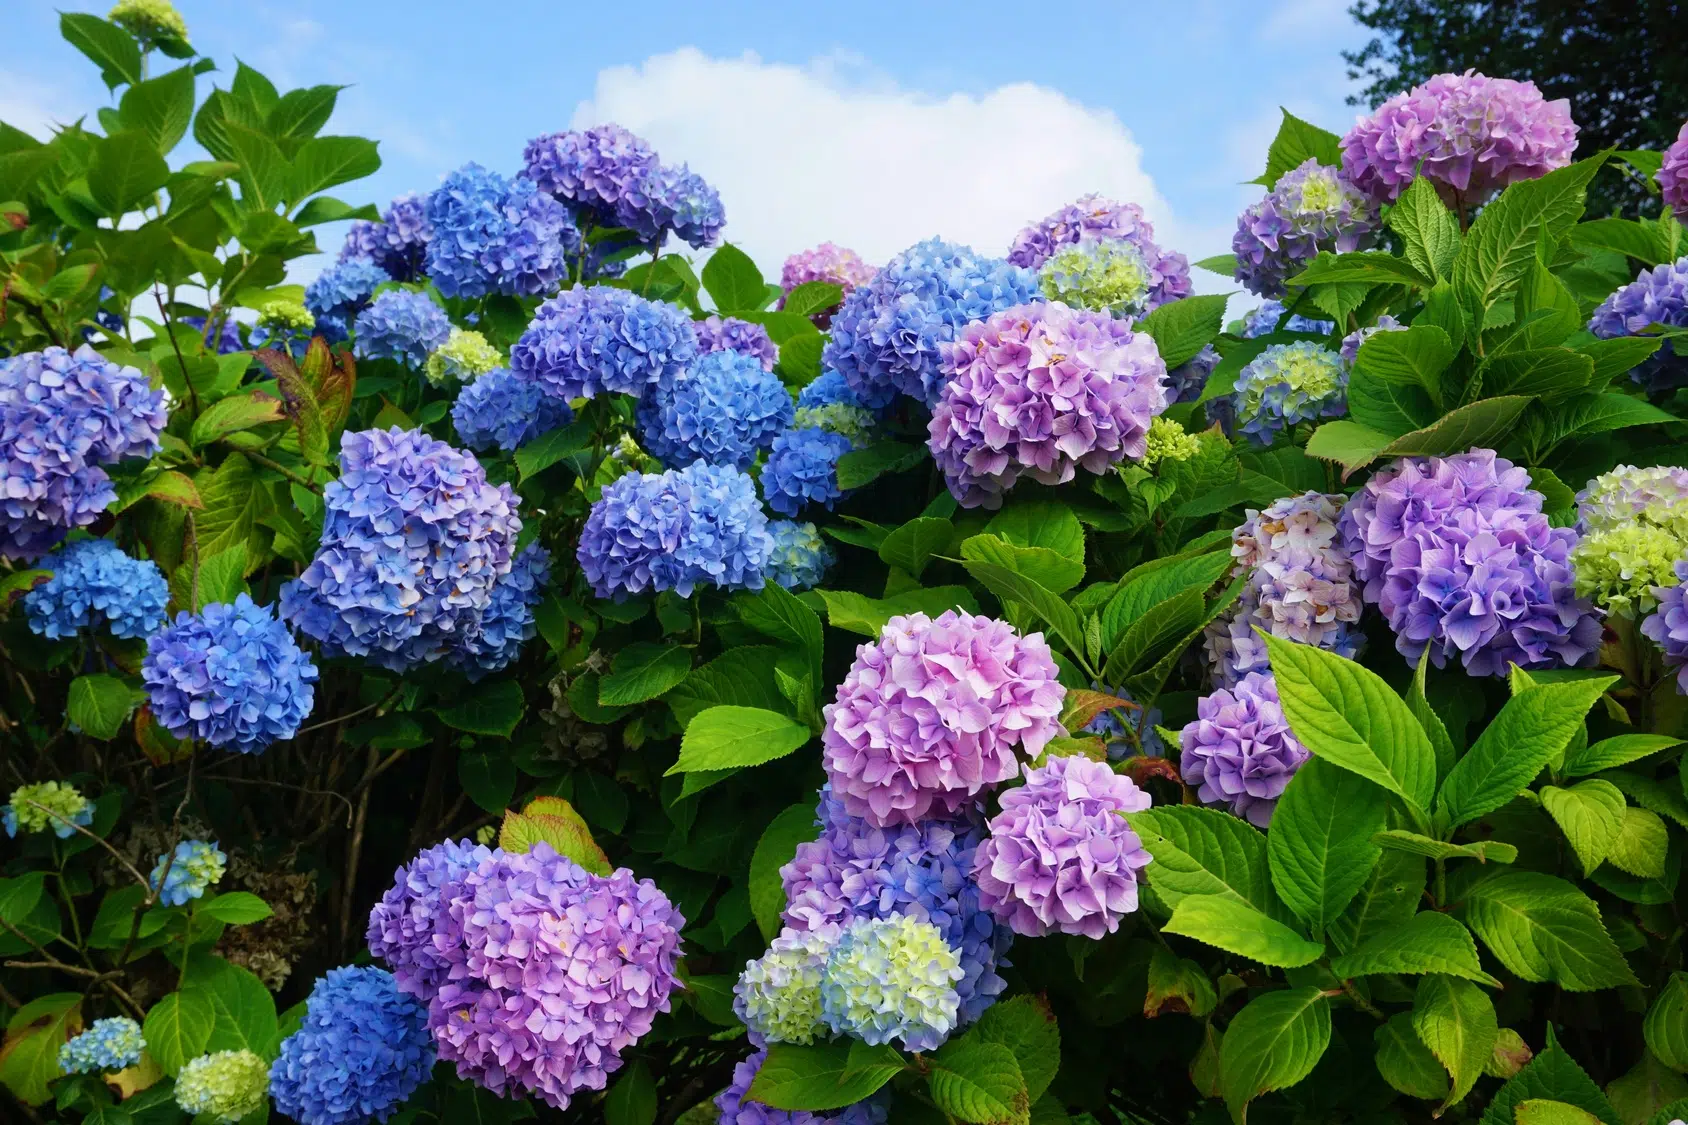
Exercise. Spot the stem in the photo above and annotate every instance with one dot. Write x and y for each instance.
(119, 856)
(193, 581)
(170, 331)
(303, 482)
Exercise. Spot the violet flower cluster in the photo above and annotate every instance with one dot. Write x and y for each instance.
(1042, 391)
(1656, 296)
(1667, 625)
(724, 408)
(1312, 209)
(802, 469)
(729, 333)
(1095, 218)
(502, 410)
(615, 178)
(337, 294)
(94, 580)
(1458, 555)
(826, 262)
(1239, 751)
(1186, 382)
(1673, 175)
(1350, 350)
(597, 339)
(401, 325)
(493, 235)
(1268, 317)
(398, 243)
(415, 908)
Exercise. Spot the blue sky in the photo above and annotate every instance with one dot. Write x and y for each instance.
(875, 123)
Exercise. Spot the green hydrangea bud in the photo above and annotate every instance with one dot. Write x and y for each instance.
(1618, 567)
(44, 805)
(150, 21)
(1168, 441)
(1108, 276)
(225, 1086)
(465, 355)
(853, 422)
(284, 316)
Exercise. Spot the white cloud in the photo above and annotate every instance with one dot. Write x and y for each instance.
(831, 151)
(33, 106)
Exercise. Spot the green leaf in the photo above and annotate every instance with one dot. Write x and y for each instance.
(1666, 1025)
(862, 466)
(1416, 356)
(1050, 569)
(1296, 143)
(1320, 846)
(534, 457)
(19, 895)
(780, 614)
(222, 577)
(29, 1060)
(632, 1100)
(1544, 929)
(1183, 328)
(743, 675)
(812, 297)
(730, 737)
(1503, 240)
(160, 108)
(1541, 1111)
(1616, 357)
(327, 209)
(1551, 1074)
(98, 704)
(178, 1027)
(1548, 373)
(912, 545)
(643, 671)
(1241, 929)
(1641, 845)
(822, 1076)
(237, 908)
(1177, 984)
(1359, 269)
(1224, 265)
(1347, 715)
(775, 849)
(491, 709)
(1273, 1043)
(1139, 595)
(300, 113)
(1205, 852)
(1427, 942)
(324, 162)
(982, 560)
(1406, 1063)
(489, 779)
(233, 414)
(867, 616)
(979, 1082)
(1349, 444)
(1434, 729)
(108, 46)
(553, 821)
(1609, 753)
(733, 281)
(243, 1011)
(1041, 523)
(264, 172)
(1456, 1020)
(1479, 423)
(125, 172)
(1026, 1026)
(1622, 236)
(1598, 414)
(1534, 727)
(1159, 630)
(1591, 814)
(1429, 231)
(1411, 843)
(1389, 897)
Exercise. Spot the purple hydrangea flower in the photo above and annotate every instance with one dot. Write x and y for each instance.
(1186, 382)
(802, 469)
(886, 335)
(64, 415)
(729, 333)
(494, 640)
(503, 410)
(826, 262)
(1060, 856)
(1096, 218)
(1239, 751)
(588, 341)
(398, 243)
(1042, 391)
(337, 294)
(615, 177)
(736, 1109)
(1312, 209)
(1269, 318)
(230, 675)
(493, 235)
(1472, 134)
(413, 542)
(1459, 556)
(1656, 296)
(724, 409)
(935, 712)
(1351, 343)
(683, 202)
(403, 925)
(1667, 625)
(400, 325)
(94, 579)
(1287, 384)
(676, 530)
(1673, 175)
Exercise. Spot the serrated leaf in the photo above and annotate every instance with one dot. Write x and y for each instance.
(1241, 929)
(324, 162)
(243, 1011)
(911, 546)
(1412, 843)
(731, 737)
(1297, 142)
(237, 908)
(978, 1081)
(775, 848)
(1609, 753)
(29, 1055)
(235, 413)
(1427, 942)
(733, 282)
(821, 1077)
(491, 709)
(1551, 1074)
(1429, 231)
(98, 704)
(125, 172)
(643, 671)
(1666, 1024)
(1200, 851)
(1272, 1044)
(812, 297)
(1544, 929)
(178, 1027)
(1456, 1020)
(1182, 328)
(1320, 847)
(1591, 814)
(108, 46)
(1406, 1063)
(1641, 844)
(1026, 1026)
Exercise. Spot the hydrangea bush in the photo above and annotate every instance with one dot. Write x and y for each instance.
(536, 665)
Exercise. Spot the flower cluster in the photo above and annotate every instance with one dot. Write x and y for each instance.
(886, 335)
(184, 874)
(64, 415)
(800, 558)
(1042, 391)
(503, 410)
(1633, 527)
(1301, 587)
(1312, 209)
(590, 340)
(494, 640)
(465, 355)
(492, 235)
(1095, 218)
(1239, 752)
(829, 388)
(283, 324)
(1186, 382)
(1289, 383)
(891, 978)
(615, 178)
(778, 996)
(362, 1050)
(224, 1086)
(1470, 134)
(1458, 555)
(1168, 441)
(47, 804)
(1656, 296)
(1673, 175)
(1060, 856)
(826, 262)
(1655, 497)
(398, 244)
(94, 579)
(737, 1110)
(337, 294)
(1667, 625)
(230, 675)
(729, 333)
(934, 712)
(802, 468)
(401, 325)
(413, 542)
(724, 409)
(110, 1044)
(403, 924)
(151, 21)
(1133, 734)
(676, 530)
(1108, 276)
(1268, 317)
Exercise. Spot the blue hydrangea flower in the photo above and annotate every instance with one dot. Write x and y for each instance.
(802, 468)
(617, 180)
(398, 243)
(827, 389)
(503, 409)
(402, 325)
(1111, 728)
(231, 676)
(729, 333)
(493, 235)
(1656, 296)
(339, 293)
(1186, 382)
(94, 579)
(690, 207)
(676, 530)
(586, 341)
(495, 640)
(801, 557)
(886, 334)
(1290, 383)
(892, 978)
(362, 1050)
(110, 1044)
(228, 336)
(47, 804)
(192, 867)
(413, 540)
(724, 409)
(1265, 319)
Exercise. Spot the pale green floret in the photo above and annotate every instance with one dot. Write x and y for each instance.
(1619, 567)
(1168, 441)
(47, 805)
(1306, 368)
(1321, 192)
(150, 21)
(285, 316)
(225, 1086)
(892, 978)
(464, 356)
(1106, 276)
(780, 992)
(853, 422)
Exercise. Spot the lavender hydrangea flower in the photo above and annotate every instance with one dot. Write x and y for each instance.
(1060, 856)
(403, 925)
(230, 675)
(736, 1109)
(616, 179)
(1186, 382)
(934, 713)
(1673, 175)
(400, 325)
(683, 202)
(724, 409)
(110, 1044)
(398, 244)
(362, 1050)
(494, 641)
(503, 410)
(64, 415)
(1667, 625)
(1301, 587)
(676, 530)
(1095, 218)
(826, 262)
(1239, 751)
(1312, 209)
(554, 971)
(1459, 556)
(94, 579)
(337, 294)
(891, 979)
(800, 558)
(493, 235)
(413, 542)
(802, 469)
(589, 341)
(1269, 318)
(886, 335)
(1042, 391)
(729, 333)
(1287, 384)
(1656, 296)
(1471, 134)
(1350, 349)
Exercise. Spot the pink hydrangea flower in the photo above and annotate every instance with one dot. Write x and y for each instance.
(1673, 175)
(826, 262)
